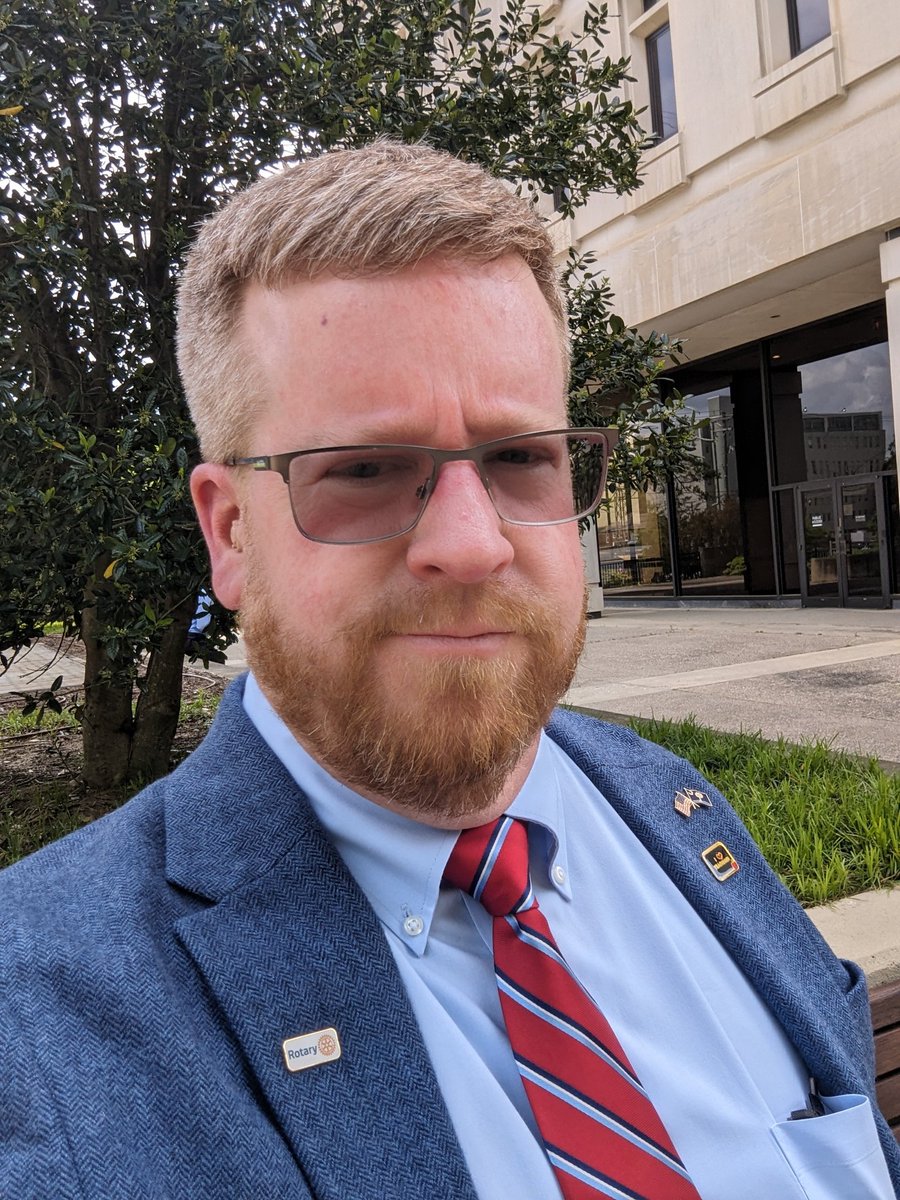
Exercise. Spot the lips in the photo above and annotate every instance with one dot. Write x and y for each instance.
(457, 633)
(444, 642)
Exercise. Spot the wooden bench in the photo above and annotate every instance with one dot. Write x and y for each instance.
(886, 1022)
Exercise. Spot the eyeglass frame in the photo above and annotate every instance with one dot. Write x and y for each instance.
(281, 464)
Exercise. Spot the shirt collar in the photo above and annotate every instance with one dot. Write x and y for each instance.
(398, 862)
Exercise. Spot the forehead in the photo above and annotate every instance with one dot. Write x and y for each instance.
(440, 351)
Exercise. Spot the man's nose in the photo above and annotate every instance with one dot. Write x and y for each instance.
(459, 534)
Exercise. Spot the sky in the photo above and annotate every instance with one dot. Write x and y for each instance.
(859, 381)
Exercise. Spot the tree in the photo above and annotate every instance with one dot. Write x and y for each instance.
(618, 379)
(122, 126)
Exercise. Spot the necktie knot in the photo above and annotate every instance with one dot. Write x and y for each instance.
(490, 862)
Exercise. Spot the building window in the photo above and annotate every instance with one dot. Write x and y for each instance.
(808, 23)
(663, 113)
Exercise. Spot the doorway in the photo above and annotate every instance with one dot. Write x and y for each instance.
(843, 547)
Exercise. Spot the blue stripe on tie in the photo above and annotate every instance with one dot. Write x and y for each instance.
(603, 1116)
(565, 1024)
(600, 1183)
(490, 856)
(538, 941)
(527, 898)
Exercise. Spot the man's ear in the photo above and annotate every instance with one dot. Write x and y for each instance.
(219, 508)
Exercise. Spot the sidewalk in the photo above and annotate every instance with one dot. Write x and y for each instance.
(799, 673)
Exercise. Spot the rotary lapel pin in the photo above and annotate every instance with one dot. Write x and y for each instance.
(311, 1049)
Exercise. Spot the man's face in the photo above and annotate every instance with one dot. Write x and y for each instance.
(418, 670)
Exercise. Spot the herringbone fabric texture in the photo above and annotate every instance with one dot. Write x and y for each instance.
(151, 963)
(600, 1129)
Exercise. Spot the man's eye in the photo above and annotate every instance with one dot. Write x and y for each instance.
(519, 456)
(364, 469)
(392, 469)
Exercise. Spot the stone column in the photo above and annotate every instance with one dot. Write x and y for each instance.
(890, 275)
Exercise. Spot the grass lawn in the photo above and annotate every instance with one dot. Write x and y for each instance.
(828, 822)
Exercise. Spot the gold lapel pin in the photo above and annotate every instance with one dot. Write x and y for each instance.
(311, 1049)
(720, 861)
(688, 800)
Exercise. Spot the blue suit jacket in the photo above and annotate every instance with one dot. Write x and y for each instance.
(152, 964)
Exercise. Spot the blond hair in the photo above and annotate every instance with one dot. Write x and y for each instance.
(347, 213)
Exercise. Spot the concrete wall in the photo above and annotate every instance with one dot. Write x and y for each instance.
(783, 177)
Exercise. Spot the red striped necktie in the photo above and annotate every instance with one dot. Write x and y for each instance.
(600, 1130)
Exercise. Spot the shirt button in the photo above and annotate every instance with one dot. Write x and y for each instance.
(413, 926)
(559, 874)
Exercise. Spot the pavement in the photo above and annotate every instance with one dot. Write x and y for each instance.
(825, 673)
(832, 674)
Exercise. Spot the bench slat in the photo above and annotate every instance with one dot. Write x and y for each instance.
(885, 1002)
(888, 1092)
(887, 1051)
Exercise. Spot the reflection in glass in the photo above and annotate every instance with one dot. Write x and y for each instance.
(808, 23)
(833, 417)
(710, 541)
(789, 415)
(788, 539)
(663, 112)
(861, 548)
(633, 541)
(842, 535)
(821, 544)
(893, 519)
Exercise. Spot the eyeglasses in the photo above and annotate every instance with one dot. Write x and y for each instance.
(348, 495)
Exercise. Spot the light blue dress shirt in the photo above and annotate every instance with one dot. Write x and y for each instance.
(721, 1072)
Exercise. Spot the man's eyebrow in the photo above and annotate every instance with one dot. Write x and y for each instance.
(508, 425)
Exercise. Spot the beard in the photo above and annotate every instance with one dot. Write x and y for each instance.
(439, 741)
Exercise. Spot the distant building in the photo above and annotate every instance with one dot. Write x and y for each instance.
(767, 235)
(835, 444)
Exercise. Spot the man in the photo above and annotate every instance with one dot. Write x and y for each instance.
(265, 976)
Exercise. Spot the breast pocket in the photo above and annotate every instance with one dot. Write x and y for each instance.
(837, 1156)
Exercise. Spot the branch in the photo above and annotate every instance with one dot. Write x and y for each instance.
(137, 234)
(49, 349)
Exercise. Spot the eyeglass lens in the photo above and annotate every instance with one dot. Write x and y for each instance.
(367, 493)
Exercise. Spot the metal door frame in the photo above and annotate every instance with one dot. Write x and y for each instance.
(844, 600)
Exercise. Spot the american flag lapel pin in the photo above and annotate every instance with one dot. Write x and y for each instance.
(688, 800)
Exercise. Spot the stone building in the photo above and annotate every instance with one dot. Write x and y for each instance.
(767, 235)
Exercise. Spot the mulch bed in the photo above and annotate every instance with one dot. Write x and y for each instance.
(50, 758)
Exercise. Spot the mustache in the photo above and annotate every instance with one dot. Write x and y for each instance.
(491, 605)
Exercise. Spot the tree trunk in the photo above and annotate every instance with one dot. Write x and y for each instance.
(107, 722)
(159, 701)
(121, 745)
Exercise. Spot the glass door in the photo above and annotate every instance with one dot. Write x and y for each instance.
(820, 581)
(864, 541)
(843, 542)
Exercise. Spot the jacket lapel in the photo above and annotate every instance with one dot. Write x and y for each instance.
(290, 946)
(751, 914)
